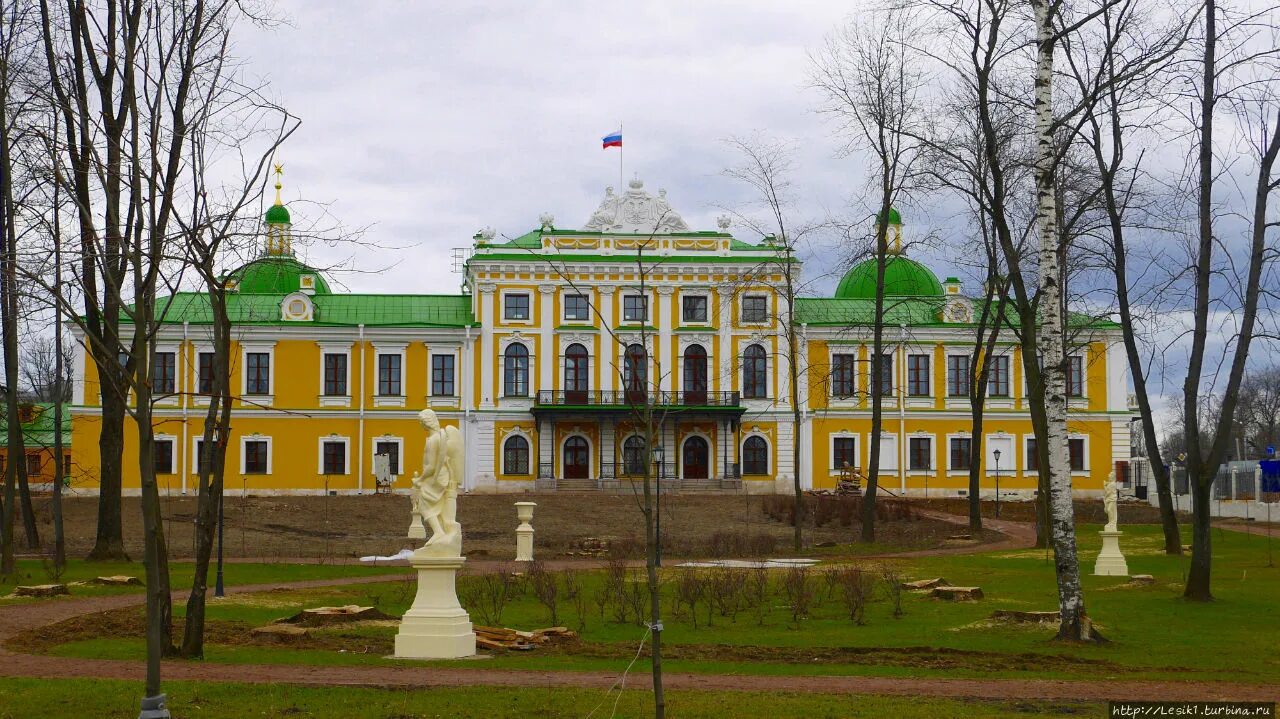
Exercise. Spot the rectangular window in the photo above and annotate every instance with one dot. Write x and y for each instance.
(257, 373)
(335, 374)
(164, 372)
(694, 308)
(844, 452)
(576, 307)
(920, 450)
(442, 375)
(635, 308)
(515, 307)
(389, 375)
(335, 457)
(844, 375)
(1075, 376)
(204, 372)
(164, 456)
(998, 379)
(255, 456)
(885, 386)
(960, 449)
(957, 375)
(918, 375)
(1033, 455)
(33, 464)
(755, 308)
(392, 450)
(1075, 453)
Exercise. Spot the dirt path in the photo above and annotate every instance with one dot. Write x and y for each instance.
(1237, 525)
(17, 618)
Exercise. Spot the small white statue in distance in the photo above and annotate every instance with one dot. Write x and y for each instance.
(1109, 497)
(436, 487)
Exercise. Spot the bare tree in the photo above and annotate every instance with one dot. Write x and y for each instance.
(1237, 72)
(47, 374)
(870, 80)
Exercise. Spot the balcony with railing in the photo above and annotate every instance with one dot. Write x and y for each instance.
(626, 399)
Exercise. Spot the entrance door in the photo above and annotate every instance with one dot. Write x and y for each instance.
(694, 457)
(577, 459)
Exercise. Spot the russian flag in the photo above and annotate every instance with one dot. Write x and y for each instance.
(613, 139)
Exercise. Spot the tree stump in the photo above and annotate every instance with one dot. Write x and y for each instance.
(40, 590)
(957, 594)
(921, 584)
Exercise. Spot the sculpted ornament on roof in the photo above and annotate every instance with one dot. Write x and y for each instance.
(635, 211)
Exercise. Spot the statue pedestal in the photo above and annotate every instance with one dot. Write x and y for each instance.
(1111, 561)
(416, 528)
(436, 626)
(524, 532)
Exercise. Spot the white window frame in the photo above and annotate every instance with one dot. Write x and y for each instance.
(1087, 464)
(855, 398)
(997, 401)
(335, 348)
(706, 297)
(502, 453)
(270, 453)
(954, 401)
(988, 456)
(268, 348)
(768, 371)
(951, 469)
(770, 459)
(831, 450)
(502, 307)
(564, 306)
(933, 453)
(174, 464)
(169, 399)
(373, 451)
(389, 348)
(921, 400)
(431, 375)
(648, 307)
(1026, 456)
(195, 453)
(742, 307)
(346, 454)
(1082, 400)
(891, 456)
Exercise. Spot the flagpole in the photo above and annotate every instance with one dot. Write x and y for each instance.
(621, 174)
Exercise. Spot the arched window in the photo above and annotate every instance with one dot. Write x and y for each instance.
(633, 455)
(755, 373)
(755, 456)
(515, 455)
(695, 375)
(635, 372)
(515, 371)
(576, 364)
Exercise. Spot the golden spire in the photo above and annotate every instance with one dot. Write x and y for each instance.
(279, 185)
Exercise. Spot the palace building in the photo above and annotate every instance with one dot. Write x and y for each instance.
(560, 334)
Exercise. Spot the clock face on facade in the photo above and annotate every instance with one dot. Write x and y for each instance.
(957, 311)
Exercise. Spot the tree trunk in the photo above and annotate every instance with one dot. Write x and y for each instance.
(877, 360)
(108, 543)
(1197, 588)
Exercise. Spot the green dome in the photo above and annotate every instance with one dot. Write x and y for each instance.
(894, 217)
(278, 215)
(903, 277)
(276, 276)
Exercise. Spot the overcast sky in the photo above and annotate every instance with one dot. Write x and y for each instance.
(426, 121)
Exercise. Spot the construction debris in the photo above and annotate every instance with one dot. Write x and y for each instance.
(1141, 580)
(281, 632)
(325, 616)
(504, 638)
(921, 584)
(589, 547)
(961, 537)
(40, 590)
(957, 594)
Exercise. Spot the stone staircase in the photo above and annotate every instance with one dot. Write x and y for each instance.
(577, 485)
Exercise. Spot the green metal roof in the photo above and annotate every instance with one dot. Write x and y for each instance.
(276, 275)
(903, 277)
(39, 431)
(330, 310)
(278, 215)
(910, 311)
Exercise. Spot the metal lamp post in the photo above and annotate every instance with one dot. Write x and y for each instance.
(996, 453)
(657, 458)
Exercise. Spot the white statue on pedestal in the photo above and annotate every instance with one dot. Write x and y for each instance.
(436, 626)
(435, 488)
(1109, 497)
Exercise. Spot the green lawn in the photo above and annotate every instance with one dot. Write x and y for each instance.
(34, 571)
(106, 699)
(1154, 633)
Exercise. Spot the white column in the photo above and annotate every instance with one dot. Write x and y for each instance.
(487, 359)
(609, 351)
(724, 321)
(549, 353)
(663, 323)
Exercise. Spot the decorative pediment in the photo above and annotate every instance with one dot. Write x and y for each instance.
(636, 211)
(957, 309)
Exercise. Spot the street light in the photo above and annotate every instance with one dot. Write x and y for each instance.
(996, 453)
(657, 458)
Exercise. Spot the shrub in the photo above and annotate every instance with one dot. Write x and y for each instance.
(689, 591)
(577, 596)
(488, 594)
(855, 590)
(799, 592)
(891, 579)
(546, 589)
